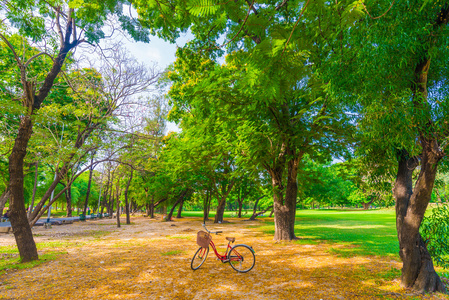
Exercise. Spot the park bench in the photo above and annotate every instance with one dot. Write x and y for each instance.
(5, 229)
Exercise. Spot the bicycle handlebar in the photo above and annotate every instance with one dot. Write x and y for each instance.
(216, 232)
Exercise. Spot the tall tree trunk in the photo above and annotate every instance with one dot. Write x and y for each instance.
(118, 201)
(68, 199)
(3, 199)
(30, 209)
(366, 205)
(284, 200)
(101, 208)
(418, 272)
(18, 216)
(104, 202)
(180, 198)
(220, 210)
(206, 206)
(111, 204)
(111, 196)
(240, 202)
(178, 216)
(147, 205)
(255, 204)
(241, 198)
(222, 202)
(147, 209)
(89, 183)
(128, 219)
(152, 207)
(411, 202)
(31, 102)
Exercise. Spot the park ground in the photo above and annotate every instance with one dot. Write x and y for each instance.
(335, 258)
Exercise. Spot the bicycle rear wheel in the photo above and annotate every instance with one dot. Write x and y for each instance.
(242, 258)
(199, 258)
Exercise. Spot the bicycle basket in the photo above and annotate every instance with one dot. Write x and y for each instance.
(203, 239)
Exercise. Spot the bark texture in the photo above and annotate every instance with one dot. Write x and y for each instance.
(178, 216)
(418, 272)
(18, 216)
(206, 206)
(151, 207)
(284, 202)
(226, 189)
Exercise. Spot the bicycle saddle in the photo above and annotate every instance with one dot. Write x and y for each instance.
(231, 239)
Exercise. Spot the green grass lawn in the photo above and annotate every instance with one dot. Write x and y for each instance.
(371, 232)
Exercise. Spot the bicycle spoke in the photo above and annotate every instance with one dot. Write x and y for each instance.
(199, 258)
(241, 258)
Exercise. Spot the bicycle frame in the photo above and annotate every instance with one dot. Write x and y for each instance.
(223, 258)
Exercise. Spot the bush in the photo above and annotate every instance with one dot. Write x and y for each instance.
(435, 232)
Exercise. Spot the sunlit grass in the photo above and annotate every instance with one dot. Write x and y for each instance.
(12, 261)
(360, 232)
(182, 237)
(172, 252)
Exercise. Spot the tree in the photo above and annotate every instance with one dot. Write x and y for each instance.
(273, 50)
(91, 170)
(403, 113)
(270, 124)
(73, 24)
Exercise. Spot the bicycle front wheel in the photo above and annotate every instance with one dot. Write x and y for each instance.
(242, 258)
(199, 258)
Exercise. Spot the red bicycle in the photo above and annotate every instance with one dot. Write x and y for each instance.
(241, 257)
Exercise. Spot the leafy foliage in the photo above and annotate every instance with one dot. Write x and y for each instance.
(435, 232)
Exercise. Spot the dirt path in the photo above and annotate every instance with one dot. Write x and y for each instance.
(151, 260)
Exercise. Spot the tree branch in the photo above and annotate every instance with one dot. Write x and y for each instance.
(36, 56)
(19, 62)
(58, 26)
